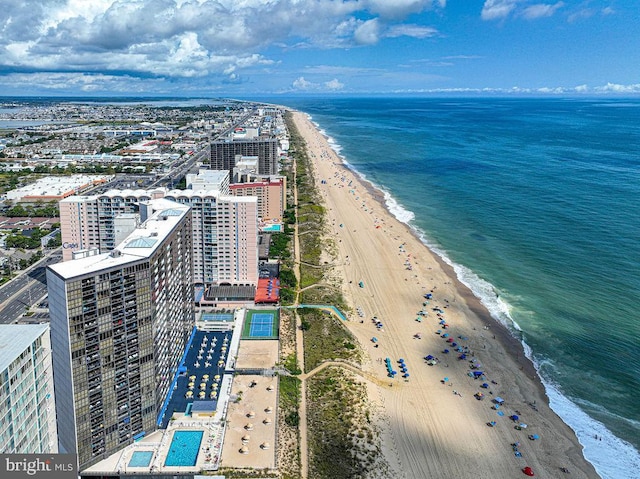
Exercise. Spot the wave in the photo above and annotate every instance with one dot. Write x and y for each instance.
(612, 457)
(598, 452)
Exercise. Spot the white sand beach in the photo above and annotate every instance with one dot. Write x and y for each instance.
(432, 427)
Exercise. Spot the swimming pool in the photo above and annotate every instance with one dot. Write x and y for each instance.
(140, 459)
(184, 448)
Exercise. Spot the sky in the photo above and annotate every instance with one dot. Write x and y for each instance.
(236, 48)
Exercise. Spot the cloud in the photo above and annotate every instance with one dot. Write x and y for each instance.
(401, 8)
(301, 84)
(541, 10)
(497, 9)
(415, 31)
(190, 38)
(617, 88)
(333, 85)
(367, 33)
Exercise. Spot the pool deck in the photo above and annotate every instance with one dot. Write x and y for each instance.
(224, 430)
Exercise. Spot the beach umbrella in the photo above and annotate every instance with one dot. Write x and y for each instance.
(446, 379)
(248, 426)
(429, 357)
(514, 417)
(528, 471)
(484, 385)
(266, 421)
(445, 335)
(245, 438)
(251, 414)
(450, 340)
(445, 351)
(265, 445)
(244, 450)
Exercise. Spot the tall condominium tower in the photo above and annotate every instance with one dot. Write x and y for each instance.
(27, 410)
(224, 229)
(224, 152)
(119, 325)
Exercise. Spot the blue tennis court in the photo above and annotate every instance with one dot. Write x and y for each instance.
(261, 325)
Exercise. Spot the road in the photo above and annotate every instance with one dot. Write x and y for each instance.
(26, 289)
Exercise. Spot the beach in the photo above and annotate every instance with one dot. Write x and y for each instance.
(431, 421)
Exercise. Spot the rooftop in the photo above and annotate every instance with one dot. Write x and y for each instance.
(15, 338)
(140, 244)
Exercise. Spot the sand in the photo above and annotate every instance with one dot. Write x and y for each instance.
(432, 428)
(252, 418)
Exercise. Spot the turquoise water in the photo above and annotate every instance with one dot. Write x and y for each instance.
(140, 459)
(184, 448)
(272, 228)
(536, 204)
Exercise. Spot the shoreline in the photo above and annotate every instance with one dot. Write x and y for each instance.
(527, 384)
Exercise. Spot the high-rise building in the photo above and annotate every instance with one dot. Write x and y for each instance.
(225, 229)
(27, 409)
(224, 152)
(119, 325)
(270, 190)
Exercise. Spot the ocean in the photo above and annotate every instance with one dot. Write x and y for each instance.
(536, 204)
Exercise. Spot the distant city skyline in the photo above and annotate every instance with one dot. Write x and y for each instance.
(240, 48)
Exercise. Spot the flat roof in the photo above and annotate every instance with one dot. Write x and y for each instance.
(15, 338)
(140, 244)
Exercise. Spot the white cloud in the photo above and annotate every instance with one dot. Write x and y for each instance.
(367, 33)
(334, 85)
(497, 9)
(190, 38)
(401, 8)
(540, 10)
(415, 31)
(301, 84)
(617, 88)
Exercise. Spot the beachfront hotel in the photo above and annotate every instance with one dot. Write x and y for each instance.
(27, 409)
(119, 325)
(224, 228)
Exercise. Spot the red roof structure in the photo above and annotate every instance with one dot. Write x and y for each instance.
(268, 290)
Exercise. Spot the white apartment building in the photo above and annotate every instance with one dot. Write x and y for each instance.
(27, 407)
(225, 229)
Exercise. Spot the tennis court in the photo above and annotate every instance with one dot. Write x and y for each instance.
(261, 325)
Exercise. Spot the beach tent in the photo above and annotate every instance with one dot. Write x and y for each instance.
(477, 374)
(514, 417)
(429, 357)
(484, 385)
(534, 437)
(498, 400)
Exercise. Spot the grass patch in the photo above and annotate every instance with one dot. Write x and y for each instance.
(343, 443)
(326, 338)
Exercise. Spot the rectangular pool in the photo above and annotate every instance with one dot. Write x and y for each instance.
(140, 459)
(184, 448)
